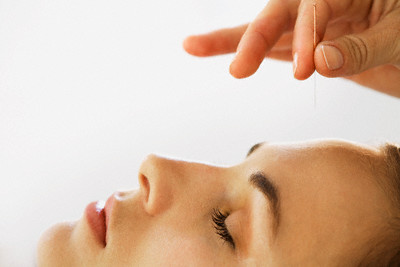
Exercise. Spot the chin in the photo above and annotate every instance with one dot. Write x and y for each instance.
(53, 246)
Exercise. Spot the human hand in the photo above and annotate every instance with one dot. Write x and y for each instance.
(357, 39)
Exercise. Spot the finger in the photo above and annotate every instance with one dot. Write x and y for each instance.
(260, 37)
(355, 53)
(333, 31)
(303, 39)
(218, 42)
(225, 41)
(284, 55)
(285, 42)
(283, 48)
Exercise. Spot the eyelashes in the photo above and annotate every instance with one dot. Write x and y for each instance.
(218, 219)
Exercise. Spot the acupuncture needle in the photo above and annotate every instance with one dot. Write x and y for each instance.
(315, 45)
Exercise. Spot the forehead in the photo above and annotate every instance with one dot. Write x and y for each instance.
(315, 148)
(319, 161)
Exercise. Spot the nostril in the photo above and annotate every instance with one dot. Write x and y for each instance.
(144, 186)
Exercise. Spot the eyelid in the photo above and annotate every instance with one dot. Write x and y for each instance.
(220, 227)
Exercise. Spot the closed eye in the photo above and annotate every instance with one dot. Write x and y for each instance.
(221, 230)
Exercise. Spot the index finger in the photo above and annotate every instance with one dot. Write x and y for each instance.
(218, 42)
(260, 37)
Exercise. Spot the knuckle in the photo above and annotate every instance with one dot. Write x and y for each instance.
(359, 51)
(396, 49)
(259, 29)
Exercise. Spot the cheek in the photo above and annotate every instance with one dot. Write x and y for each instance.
(171, 247)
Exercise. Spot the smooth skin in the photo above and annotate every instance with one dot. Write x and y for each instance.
(331, 205)
(366, 33)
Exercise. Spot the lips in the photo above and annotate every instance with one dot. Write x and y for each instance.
(98, 216)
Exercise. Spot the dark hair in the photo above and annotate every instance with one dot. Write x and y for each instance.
(385, 250)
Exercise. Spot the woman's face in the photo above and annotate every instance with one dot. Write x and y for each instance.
(299, 204)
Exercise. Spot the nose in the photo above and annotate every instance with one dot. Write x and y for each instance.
(165, 182)
(157, 194)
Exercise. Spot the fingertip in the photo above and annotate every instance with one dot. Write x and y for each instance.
(303, 66)
(234, 71)
(187, 43)
(303, 76)
(239, 70)
(196, 45)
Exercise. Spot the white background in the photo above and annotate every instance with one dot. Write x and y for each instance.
(88, 88)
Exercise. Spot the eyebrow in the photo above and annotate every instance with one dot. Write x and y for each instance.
(265, 185)
(254, 148)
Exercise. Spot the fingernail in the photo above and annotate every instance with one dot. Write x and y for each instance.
(238, 51)
(333, 57)
(295, 63)
(239, 48)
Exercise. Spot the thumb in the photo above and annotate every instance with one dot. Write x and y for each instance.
(355, 53)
